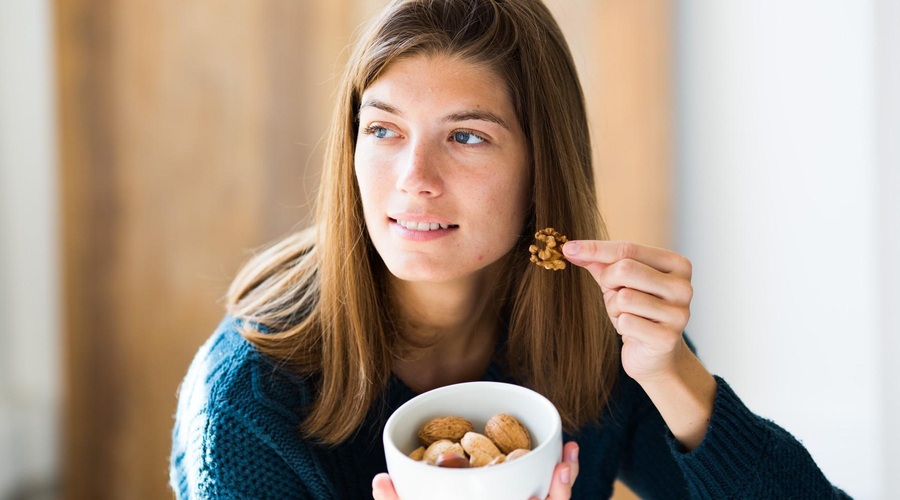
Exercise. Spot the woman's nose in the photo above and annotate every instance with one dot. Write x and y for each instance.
(419, 172)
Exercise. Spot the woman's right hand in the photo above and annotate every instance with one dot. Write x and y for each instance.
(560, 489)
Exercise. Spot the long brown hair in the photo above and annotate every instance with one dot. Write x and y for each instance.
(315, 301)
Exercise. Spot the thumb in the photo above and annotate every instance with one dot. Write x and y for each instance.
(383, 487)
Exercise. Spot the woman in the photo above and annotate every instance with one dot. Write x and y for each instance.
(460, 130)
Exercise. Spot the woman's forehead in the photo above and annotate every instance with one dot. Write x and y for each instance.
(428, 77)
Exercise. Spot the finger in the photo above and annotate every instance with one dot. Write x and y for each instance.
(629, 273)
(570, 455)
(561, 487)
(383, 487)
(656, 337)
(628, 300)
(589, 252)
(565, 473)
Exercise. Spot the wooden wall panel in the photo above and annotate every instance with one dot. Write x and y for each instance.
(191, 132)
(623, 51)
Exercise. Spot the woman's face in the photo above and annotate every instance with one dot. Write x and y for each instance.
(442, 166)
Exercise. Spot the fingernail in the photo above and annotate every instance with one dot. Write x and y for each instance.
(565, 475)
(573, 455)
(570, 248)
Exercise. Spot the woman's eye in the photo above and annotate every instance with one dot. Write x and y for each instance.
(379, 132)
(464, 137)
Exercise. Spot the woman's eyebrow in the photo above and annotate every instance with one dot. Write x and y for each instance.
(476, 114)
(469, 114)
(375, 103)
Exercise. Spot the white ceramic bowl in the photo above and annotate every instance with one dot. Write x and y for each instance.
(517, 479)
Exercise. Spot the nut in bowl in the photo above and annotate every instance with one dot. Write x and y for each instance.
(475, 402)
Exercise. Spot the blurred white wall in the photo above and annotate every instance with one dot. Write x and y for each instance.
(888, 60)
(29, 282)
(787, 207)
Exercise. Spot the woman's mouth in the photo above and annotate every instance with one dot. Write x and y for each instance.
(424, 226)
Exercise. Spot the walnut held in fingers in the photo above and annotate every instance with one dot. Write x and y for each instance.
(451, 428)
(507, 433)
(546, 251)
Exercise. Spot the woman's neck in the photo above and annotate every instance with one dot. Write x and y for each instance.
(448, 330)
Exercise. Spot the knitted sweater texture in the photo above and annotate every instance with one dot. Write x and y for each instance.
(237, 435)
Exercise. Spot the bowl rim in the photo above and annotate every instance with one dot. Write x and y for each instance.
(441, 392)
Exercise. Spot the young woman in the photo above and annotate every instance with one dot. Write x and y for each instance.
(459, 131)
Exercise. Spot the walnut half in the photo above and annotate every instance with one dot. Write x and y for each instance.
(546, 251)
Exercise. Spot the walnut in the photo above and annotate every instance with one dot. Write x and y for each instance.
(546, 251)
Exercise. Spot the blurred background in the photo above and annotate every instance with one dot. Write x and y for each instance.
(147, 147)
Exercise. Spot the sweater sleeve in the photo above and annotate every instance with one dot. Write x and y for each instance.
(231, 439)
(235, 461)
(745, 456)
(647, 465)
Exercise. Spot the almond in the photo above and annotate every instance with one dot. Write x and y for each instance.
(507, 433)
(475, 443)
(515, 454)
(480, 459)
(418, 454)
(451, 428)
(440, 447)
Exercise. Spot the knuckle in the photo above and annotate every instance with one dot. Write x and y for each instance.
(626, 297)
(625, 250)
(687, 265)
(628, 266)
(621, 269)
(624, 322)
(684, 315)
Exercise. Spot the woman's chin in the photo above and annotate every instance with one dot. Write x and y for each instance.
(427, 272)
(424, 275)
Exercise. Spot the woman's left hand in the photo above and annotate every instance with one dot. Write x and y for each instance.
(648, 294)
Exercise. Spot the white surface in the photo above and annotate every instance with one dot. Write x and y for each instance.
(778, 209)
(29, 301)
(477, 402)
(888, 61)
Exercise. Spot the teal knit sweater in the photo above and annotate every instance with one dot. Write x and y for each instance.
(236, 436)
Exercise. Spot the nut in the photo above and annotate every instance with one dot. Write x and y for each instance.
(480, 458)
(545, 252)
(450, 428)
(450, 444)
(418, 453)
(507, 433)
(440, 447)
(452, 460)
(475, 443)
